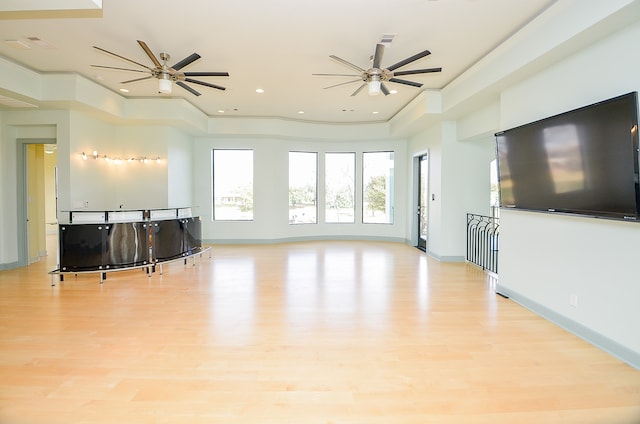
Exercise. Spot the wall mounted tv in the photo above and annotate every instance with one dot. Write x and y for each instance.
(584, 162)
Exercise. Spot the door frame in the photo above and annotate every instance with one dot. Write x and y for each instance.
(424, 158)
(22, 190)
(415, 204)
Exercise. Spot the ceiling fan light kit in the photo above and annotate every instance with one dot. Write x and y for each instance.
(164, 85)
(374, 85)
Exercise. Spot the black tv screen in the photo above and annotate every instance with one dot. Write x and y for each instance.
(584, 161)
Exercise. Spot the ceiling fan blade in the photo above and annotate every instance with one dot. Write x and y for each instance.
(186, 61)
(186, 87)
(343, 83)
(149, 53)
(405, 82)
(350, 65)
(204, 83)
(418, 71)
(359, 89)
(205, 74)
(335, 75)
(135, 80)
(377, 58)
(384, 89)
(122, 57)
(409, 60)
(119, 69)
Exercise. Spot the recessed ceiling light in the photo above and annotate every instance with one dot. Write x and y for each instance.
(375, 112)
(221, 111)
(259, 90)
(393, 91)
(124, 90)
(301, 112)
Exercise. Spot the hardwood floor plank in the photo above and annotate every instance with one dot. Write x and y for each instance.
(318, 332)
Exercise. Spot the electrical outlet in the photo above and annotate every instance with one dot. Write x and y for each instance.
(573, 300)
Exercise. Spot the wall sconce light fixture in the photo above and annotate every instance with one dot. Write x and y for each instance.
(119, 160)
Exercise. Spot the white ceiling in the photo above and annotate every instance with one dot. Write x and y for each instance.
(275, 45)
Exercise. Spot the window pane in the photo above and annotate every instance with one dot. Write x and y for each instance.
(302, 187)
(377, 186)
(340, 187)
(233, 185)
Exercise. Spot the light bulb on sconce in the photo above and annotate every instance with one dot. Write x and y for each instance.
(119, 159)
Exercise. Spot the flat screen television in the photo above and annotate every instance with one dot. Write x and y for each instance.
(584, 162)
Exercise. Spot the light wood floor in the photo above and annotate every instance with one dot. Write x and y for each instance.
(304, 333)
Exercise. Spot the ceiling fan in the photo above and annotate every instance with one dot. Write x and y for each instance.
(165, 74)
(375, 76)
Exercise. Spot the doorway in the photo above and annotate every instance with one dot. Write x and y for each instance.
(423, 198)
(37, 188)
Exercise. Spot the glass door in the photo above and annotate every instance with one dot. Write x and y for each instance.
(423, 198)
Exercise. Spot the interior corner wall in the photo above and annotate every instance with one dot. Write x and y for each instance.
(180, 175)
(454, 176)
(546, 260)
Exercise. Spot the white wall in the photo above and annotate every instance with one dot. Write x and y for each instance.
(99, 184)
(459, 179)
(545, 258)
(89, 184)
(19, 125)
(271, 191)
(140, 185)
(180, 173)
(429, 141)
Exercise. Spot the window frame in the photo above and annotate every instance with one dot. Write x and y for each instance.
(213, 185)
(353, 186)
(315, 186)
(390, 192)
